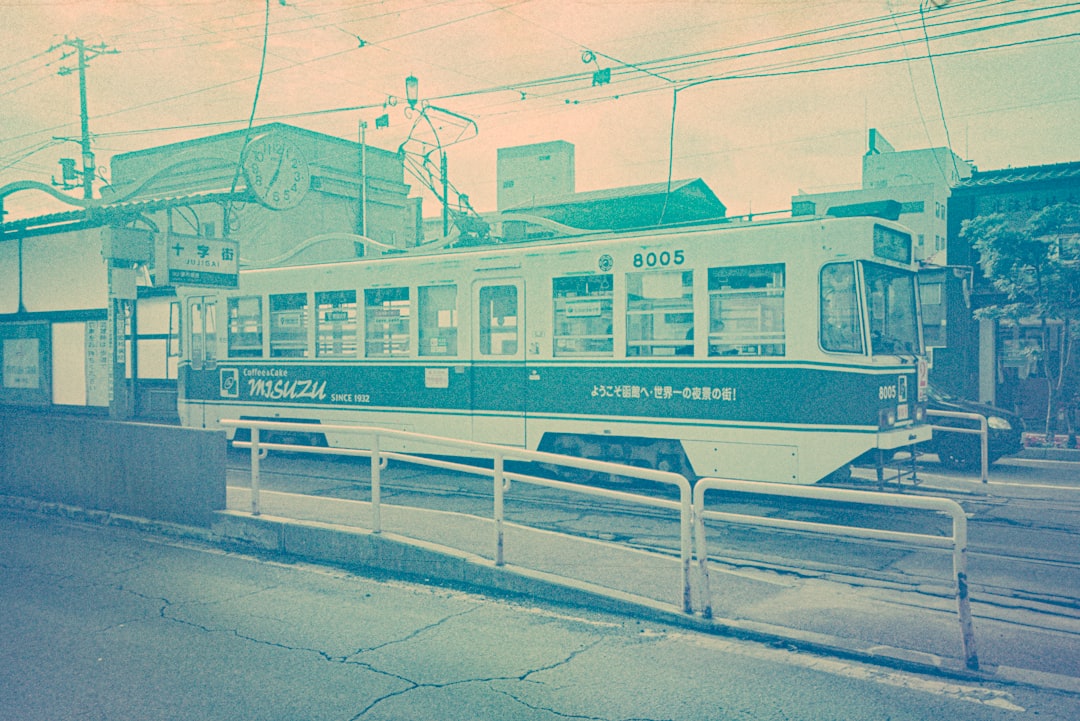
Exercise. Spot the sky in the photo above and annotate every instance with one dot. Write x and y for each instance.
(763, 99)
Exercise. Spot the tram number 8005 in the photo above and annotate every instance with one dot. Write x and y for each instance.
(661, 259)
(887, 393)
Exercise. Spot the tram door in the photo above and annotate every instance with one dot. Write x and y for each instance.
(498, 373)
(201, 338)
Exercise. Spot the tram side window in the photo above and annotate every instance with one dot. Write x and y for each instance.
(660, 313)
(746, 310)
(438, 319)
(499, 320)
(583, 315)
(245, 327)
(386, 330)
(288, 325)
(841, 329)
(335, 324)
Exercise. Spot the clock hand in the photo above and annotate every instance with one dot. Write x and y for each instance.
(277, 170)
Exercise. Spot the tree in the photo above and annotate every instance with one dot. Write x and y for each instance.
(1035, 264)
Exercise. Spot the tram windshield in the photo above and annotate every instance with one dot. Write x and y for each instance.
(894, 321)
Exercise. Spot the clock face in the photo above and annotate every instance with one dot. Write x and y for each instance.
(276, 172)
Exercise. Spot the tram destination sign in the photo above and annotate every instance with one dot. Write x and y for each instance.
(206, 262)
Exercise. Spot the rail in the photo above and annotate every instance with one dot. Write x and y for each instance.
(957, 542)
(501, 478)
(983, 431)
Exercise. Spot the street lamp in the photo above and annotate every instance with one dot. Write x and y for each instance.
(411, 90)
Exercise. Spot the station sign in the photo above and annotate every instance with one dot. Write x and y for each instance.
(205, 262)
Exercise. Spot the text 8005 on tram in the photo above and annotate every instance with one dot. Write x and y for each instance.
(775, 351)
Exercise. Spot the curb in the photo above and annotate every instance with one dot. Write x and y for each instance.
(1051, 454)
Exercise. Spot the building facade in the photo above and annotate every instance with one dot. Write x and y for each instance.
(1003, 360)
(88, 320)
(920, 180)
(528, 174)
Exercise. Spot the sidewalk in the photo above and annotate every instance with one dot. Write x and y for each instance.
(875, 621)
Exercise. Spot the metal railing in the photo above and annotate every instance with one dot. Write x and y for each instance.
(957, 542)
(983, 430)
(377, 438)
(690, 506)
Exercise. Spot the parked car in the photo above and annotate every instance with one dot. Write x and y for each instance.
(961, 450)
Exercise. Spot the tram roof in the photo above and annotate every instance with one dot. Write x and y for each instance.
(564, 235)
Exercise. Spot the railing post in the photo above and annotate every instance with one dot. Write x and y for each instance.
(702, 549)
(255, 471)
(498, 510)
(686, 523)
(963, 602)
(376, 486)
(984, 446)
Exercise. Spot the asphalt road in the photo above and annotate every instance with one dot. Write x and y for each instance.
(103, 622)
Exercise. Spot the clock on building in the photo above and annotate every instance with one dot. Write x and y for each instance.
(276, 171)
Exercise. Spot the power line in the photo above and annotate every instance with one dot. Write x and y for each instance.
(657, 66)
(937, 90)
(251, 118)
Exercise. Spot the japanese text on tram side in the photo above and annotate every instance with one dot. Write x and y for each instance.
(689, 393)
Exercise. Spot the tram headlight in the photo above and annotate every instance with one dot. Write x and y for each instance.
(920, 412)
(998, 423)
(886, 418)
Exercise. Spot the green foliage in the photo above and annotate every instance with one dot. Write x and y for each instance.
(1034, 263)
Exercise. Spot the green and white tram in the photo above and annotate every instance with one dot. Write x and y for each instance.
(775, 351)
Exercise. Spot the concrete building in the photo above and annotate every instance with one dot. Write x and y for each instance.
(528, 174)
(920, 180)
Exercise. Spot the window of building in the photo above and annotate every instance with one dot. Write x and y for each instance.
(746, 310)
(157, 337)
(335, 324)
(386, 328)
(583, 315)
(660, 313)
(499, 320)
(841, 329)
(245, 327)
(438, 320)
(931, 298)
(288, 325)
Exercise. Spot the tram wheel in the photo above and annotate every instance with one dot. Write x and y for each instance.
(572, 447)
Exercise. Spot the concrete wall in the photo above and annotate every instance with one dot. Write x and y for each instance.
(163, 473)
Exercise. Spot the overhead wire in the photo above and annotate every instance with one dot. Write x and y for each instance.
(689, 61)
(251, 119)
(937, 88)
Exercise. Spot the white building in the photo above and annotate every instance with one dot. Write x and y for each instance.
(920, 180)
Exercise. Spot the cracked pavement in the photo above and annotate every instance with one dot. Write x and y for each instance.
(109, 623)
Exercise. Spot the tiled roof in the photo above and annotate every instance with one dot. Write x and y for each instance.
(106, 211)
(1018, 176)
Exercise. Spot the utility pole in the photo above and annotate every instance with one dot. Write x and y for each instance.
(86, 54)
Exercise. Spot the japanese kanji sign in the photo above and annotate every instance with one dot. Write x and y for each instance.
(212, 262)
